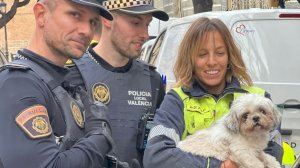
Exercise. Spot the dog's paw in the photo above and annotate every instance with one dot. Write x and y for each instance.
(270, 161)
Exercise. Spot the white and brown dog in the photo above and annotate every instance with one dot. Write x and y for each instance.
(241, 135)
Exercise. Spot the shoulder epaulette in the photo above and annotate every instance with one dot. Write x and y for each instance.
(151, 67)
(16, 66)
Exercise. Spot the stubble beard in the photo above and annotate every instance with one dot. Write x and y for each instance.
(117, 45)
(63, 50)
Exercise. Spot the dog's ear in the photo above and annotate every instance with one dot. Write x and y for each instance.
(276, 114)
(231, 121)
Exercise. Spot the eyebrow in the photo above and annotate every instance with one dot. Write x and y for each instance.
(136, 16)
(220, 47)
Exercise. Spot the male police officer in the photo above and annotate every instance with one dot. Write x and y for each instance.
(34, 106)
(113, 76)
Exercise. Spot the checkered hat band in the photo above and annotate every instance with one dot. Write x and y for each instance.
(119, 4)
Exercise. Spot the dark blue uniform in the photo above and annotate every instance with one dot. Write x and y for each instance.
(130, 90)
(33, 144)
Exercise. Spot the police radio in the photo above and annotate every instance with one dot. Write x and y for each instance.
(145, 124)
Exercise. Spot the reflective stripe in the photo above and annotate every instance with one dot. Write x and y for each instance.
(161, 130)
(208, 162)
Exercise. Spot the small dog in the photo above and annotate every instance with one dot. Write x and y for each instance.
(240, 136)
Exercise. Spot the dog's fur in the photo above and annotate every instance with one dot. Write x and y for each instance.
(241, 135)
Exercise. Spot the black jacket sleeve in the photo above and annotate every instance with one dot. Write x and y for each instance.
(20, 91)
(274, 147)
(157, 87)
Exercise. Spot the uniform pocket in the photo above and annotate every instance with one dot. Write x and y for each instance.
(198, 118)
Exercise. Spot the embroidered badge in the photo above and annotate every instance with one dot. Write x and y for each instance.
(77, 115)
(69, 63)
(34, 121)
(39, 124)
(101, 93)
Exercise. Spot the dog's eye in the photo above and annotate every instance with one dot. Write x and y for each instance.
(263, 111)
(245, 116)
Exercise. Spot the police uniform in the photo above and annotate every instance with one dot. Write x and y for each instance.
(128, 91)
(185, 111)
(34, 110)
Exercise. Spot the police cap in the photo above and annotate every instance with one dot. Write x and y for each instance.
(95, 3)
(138, 7)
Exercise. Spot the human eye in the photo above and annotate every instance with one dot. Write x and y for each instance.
(75, 14)
(220, 53)
(202, 54)
(135, 22)
(94, 23)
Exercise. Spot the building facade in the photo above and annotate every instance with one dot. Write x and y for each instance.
(19, 29)
(181, 8)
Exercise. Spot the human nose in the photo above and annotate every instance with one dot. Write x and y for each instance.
(144, 33)
(211, 59)
(85, 28)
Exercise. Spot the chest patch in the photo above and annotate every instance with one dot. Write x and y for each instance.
(101, 93)
(34, 121)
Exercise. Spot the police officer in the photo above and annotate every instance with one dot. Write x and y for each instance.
(113, 76)
(34, 106)
(210, 74)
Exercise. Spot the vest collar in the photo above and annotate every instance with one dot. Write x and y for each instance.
(106, 65)
(196, 90)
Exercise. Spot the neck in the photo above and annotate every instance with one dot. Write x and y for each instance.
(216, 90)
(39, 47)
(106, 50)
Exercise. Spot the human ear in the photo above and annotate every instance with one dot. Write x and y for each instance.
(39, 11)
(106, 23)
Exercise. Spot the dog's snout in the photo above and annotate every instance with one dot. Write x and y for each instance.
(255, 119)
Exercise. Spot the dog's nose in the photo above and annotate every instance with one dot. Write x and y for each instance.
(255, 119)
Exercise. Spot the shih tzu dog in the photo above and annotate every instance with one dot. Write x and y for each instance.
(240, 136)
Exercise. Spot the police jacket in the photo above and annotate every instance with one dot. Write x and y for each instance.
(129, 92)
(31, 119)
(170, 127)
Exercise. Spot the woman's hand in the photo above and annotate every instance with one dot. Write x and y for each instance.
(228, 164)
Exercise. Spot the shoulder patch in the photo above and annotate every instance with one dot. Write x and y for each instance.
(34, 121)
(69, 63)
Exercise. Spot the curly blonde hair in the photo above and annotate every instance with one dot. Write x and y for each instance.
(191, 45)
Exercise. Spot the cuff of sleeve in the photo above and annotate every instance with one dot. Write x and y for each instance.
(213, 163)
(101, 143)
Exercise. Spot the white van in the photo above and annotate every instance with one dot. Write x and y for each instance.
(270, 43)
(146, 48)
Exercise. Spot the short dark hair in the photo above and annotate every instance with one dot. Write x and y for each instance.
(51, 4)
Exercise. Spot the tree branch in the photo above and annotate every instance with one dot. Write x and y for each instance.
(5, 18)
